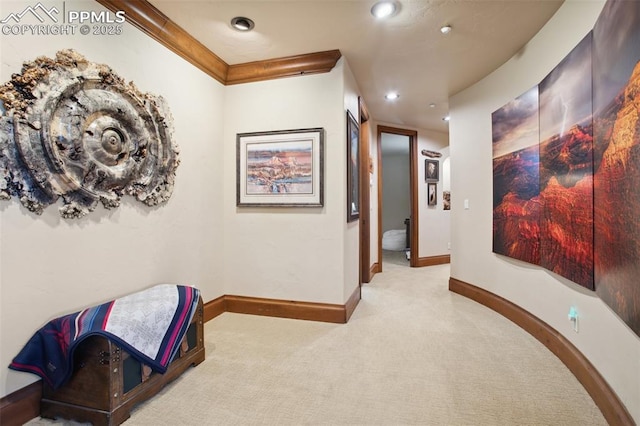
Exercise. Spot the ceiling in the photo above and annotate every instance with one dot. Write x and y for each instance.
(406, 53)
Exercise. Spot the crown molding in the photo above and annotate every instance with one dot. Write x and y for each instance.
(147, 18)
(311, 63)
(144, 16)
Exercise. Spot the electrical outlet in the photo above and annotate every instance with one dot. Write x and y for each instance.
(573, 317)
(448, 246)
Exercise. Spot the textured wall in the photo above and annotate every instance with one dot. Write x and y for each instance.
(50, 266)
(540, 292)
(288, 253)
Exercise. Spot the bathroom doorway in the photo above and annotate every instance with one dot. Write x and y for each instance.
(397, 196)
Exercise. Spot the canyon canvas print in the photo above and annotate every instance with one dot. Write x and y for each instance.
(616, 85)
(516, 179)
(566, 167)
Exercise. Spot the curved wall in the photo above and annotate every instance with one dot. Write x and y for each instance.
(603, 338)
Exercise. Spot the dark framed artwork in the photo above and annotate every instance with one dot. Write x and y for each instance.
(280, 168)
(431, 171)
(432, 194)
(353, 168)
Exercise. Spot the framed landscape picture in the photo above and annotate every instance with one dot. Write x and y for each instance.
(280, 168)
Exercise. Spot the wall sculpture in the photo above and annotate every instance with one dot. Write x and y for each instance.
(74, 130)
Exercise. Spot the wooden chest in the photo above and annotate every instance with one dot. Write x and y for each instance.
(107, 382)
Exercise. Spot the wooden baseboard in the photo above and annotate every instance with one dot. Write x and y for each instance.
(369, 274)
(213, 308)
(323, 312)
(605, 398)
(433, 260)
(19, 407)
(351, 304)
(375, 268)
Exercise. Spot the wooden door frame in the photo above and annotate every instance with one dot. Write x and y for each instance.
(413, 188)
(365, 197)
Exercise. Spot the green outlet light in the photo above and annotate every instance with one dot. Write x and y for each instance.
(573, 317)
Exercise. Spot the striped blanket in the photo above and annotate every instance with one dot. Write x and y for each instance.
(149, 325)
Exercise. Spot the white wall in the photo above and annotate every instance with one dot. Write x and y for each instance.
(50, 266)
(435, 222)
(604, 339)
(290, 253)
(351, 93)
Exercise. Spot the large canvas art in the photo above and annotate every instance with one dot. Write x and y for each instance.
(616, 85)
(516, 186)
(566, 167)
(570, 202)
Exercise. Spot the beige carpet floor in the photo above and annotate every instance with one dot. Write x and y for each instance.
(413, 353)
(395, 257)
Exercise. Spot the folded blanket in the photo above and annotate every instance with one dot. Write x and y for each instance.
(149, 325)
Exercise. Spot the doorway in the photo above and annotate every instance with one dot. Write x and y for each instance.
(396, 199)
(397, 196)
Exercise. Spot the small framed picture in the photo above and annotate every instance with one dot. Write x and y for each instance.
(431, 171)
(432, 194)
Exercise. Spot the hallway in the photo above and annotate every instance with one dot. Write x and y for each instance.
(413, 353)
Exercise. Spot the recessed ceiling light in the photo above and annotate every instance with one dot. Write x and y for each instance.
(432, 105)
(241, 23)
(384, 9)
(391, 96)
(446, 118)
(445, 29)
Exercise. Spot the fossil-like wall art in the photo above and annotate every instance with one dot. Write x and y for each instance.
(73, 129)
